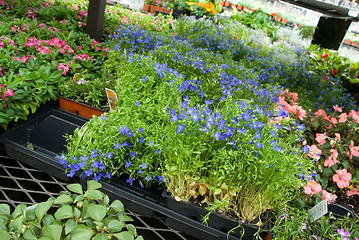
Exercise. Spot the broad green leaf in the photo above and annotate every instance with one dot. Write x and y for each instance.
(48, 219)
(124, 218)
(139, 238)
(4, 235)
(53, 231)
(118, 206)
(19, 210)
(94, 195)
(30, 215)
(69, 225)
(346, 164)
(100, 236)
(41, 209)
(77, 212)
(132, 229)
(75, 187)
(63, 199)
(106, 200)
(29, 234)
(4, 209)
(114, 226)
(93, 185)
(327, 172)
(357, 174)
(96, 212)
(45, 238)
(124, 236)
(15, 226)
(299, 203)
(64, 212)
(82, 232)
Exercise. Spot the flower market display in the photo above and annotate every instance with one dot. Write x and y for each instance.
(209, 110)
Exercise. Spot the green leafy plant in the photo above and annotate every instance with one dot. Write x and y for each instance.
(78, 215)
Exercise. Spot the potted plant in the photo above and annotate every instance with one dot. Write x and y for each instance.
(78, 215)
(146, 5)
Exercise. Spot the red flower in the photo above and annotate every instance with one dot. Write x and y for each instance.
(325, 55)
(334, 71)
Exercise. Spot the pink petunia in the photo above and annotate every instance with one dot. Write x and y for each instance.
(314, 152)
(332, 159)
(352, 192)
(338, 109)
(328, 196)
(312, 187)
(320, 138)
(333, 121)
(301, 113)
(342, 178)
(354, 115)
(343, 118)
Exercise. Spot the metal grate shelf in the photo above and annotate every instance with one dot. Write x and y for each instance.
(20, 183)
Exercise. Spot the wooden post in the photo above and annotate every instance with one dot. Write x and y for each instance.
(96, 13)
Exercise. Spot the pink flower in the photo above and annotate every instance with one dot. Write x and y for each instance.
(301, 113)
(320, 138)
(343, 118)
(320, 112)
(342, 178)
(354, 115)
(333, 121)
(158, 1)
(2, 3)
(352, 192)
(328, 196)
(314, 152)
(330, 161)
(338, 109)
(9, 92)
(106, 49)
(353, 151)
(312, 187)
(63, 66)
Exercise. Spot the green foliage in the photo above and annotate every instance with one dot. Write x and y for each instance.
(78, 215)
(306, 32)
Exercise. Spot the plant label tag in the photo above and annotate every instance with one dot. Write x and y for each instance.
(112, 98)
(318, 210)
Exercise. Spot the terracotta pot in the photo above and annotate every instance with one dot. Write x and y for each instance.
(284, 20)
(77, 108)
(239, 7)
(165, 10)
(245, 9)
(227, 4)
(233, 5)
(277, 19)
(146, 7)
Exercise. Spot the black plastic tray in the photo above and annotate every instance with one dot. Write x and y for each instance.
(37, 141)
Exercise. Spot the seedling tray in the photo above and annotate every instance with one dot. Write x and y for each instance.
(37, 141)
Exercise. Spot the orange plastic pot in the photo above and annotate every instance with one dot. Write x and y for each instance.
(77, 108)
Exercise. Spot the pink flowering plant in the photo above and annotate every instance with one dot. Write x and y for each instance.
(332, 144)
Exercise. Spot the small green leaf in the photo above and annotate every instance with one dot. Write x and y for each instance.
(132, 229)
(346, 164)
(63, 199)
(93, 185)
(19, 210)
(114, 226)
(75, 187)
(82, 232)
(357, 174)
(48, 219)
(124, 236)
(100, 236)
(53, 231)
(29, 234)
(77, 212)
(69, 225)
(64, 212)
(15, 226)
(96, 212)
(4, 235)
(4, 209)
(299, 203)
(139, 238)
(106, 200)
(94, 195)
(117, 205)
(327, 172)
(30, 215)
(41, 209)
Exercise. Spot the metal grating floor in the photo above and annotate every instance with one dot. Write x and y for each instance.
(23, 184)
